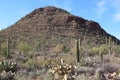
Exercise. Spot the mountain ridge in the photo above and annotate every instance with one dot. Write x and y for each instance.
(53, 20)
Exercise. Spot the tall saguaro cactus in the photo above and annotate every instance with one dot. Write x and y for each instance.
(106, 40)
(78, 51)
(8, 47)
(109, 45)
(101, 57)
(0, 47)
(0, 44)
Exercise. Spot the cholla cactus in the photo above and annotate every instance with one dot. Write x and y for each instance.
(7, 75)
(7, 70)
(8, 66)
(65, 70)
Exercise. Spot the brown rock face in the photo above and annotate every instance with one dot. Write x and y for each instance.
(56, 21)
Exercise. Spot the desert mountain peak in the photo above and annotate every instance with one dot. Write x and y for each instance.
(55, 21)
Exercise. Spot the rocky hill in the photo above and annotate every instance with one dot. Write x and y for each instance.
(47, 40)
(50, 26)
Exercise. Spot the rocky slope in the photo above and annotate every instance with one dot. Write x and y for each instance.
(49, 25)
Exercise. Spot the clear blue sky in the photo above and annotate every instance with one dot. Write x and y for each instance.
(105, 12)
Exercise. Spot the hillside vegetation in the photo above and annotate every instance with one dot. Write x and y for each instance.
(42, 38)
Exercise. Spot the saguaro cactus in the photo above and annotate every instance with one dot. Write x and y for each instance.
(109, 45)
(0, 46)
(8, 47)
(78, 51)
(0, 43)
(98, 74)
(101, 57)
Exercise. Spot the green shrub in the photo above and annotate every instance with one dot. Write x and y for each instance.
(65, 48)
(116, 50)
(97, 50)
(4, 49)
(24, 47)
(30, 63)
